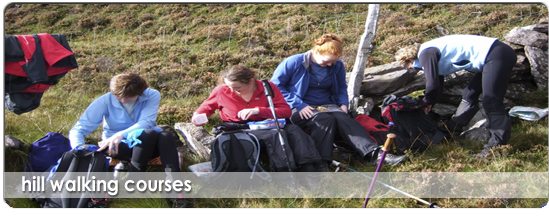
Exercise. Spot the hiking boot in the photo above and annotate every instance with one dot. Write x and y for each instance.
(323, 167)
(311, 181)
(484, 153)
(391, 159)
(453, 128)
(308, 167)
(181, 203)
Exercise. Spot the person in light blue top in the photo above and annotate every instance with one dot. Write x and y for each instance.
(128, 114)
(487, 57)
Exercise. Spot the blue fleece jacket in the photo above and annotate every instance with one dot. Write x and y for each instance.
(292, 78)
(108, 110)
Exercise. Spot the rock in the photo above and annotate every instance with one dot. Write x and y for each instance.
(538, 65)
(196, 138)
(444, 110)
(478, 131)
(384, 79)
(541, 27)
(12, 142)
(527, 37)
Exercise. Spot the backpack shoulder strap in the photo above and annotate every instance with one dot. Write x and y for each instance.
(218, 157)
(65, 161)
(257, 167)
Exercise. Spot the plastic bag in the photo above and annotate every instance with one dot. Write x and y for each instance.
(528, 113)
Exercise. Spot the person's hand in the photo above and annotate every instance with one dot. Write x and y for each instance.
(344, 108)
(195, 122)
(247, 113)
(427, 109)
(306, 112)
(111, 144)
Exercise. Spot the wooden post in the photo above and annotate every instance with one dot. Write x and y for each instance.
(365, 46)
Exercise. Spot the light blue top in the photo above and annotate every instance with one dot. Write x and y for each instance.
(108, 110)
(458, 52)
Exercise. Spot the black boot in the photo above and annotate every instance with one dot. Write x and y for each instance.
(308, 167)
(309, 179)
(323, 167)
(181, 203)
(392, 159)
(484, 153)
(453, 128)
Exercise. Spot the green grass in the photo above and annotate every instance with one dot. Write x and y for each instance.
(180, 49)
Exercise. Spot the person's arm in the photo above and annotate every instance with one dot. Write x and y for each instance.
(434, 83)
(281, 107)
(282, 79)
(146, 112)
(88, 122)
(208, 106)
(342, 94)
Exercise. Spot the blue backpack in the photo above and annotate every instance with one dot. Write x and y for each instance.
(45, 152)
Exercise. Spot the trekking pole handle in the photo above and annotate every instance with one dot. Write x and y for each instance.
(267, 86)
(389, 142)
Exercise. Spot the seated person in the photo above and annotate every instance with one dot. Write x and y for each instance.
(128, 113)
(241, 98)
(316, 79)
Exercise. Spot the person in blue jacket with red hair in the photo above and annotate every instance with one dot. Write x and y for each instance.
(490, 60)
(313, 82)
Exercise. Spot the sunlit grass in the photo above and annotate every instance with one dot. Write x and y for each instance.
(181, 48)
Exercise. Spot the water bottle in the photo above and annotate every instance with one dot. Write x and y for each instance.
(121, 170)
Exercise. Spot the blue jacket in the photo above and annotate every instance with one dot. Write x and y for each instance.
(108, 110)
(292, 78)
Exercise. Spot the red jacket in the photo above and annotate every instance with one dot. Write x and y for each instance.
(230, 103)
(42, 57)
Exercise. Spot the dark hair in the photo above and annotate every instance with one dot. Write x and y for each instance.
(127, 85)
(237, 73)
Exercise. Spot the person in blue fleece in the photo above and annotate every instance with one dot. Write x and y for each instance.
(490, 60)
(313, 83)
(128, 113)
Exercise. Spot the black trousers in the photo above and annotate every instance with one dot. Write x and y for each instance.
(325, 126)
(300, 147)
(492, 83)
(153, 144)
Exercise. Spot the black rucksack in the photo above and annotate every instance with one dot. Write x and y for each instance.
(414, 129)
(77, 160)
(236, 151)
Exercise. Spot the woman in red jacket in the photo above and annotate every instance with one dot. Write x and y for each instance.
(240, 98)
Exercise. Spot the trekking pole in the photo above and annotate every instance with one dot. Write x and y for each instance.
(386, 147)
(269, 94)
(339, 164)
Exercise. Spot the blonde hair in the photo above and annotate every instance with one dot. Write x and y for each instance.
(238, 73)
(127, 85)
(407, 53)
(328, 44)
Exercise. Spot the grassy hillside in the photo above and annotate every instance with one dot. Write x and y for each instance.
(180, 49)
